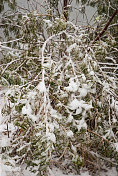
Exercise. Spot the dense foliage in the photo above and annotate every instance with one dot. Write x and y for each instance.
(60, 104)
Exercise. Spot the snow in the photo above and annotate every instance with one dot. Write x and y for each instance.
(69, 133)
(110, 172)
(48, 22)
(70, 118)
(27, 109)
(55, 115)
(56, 171)
(75, 104)
(79, 110)
(31, 95)
(116, 146)
(83, 92)
(92, 73)
(51, 127)
(10, 170)
(1, 104)
(71, 47)
(83, 172)
(82, 124)
(41, 87)
(83, 78)
(114, 105)
(4, 141)
(51, 137)
(73, 87)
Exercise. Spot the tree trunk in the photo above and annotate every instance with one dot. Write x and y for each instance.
(65, 9)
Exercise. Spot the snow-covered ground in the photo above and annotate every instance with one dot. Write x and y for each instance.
(9, 171)
(6, 171)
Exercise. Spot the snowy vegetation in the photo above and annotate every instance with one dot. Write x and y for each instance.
(60, 104)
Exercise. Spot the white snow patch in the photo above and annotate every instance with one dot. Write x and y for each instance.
(111, 172)
(54, 114)
(116, 146)
(92, 73)
(41, 87)
(79, 111)
(32, 94)
(83, 77)
(51, 127)
(51, 137)
(87, 106)
(57, 172)
(75, 104)
(83, 92)
(69, 133)
(78, 104)
(70, 118)
(48, 22)
(81, 55)
(82, 124)
(27, 109)
(73, 87)
(4, 141)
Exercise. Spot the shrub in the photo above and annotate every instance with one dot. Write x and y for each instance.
(60, 104)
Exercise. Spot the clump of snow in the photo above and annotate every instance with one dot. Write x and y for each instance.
(54, 114)
(4, 141)
(47, 65)
(114, 105)
(51, 137)
(83, 92)
(48, 22)
(75, 104)
(92, 73)
(51, 127)
(69, 133)
(73, 87)
(83, 77)
(81, 55)
(41, 87)
(27, 109)
(70, 118)
(82, 124)
(87, 106)
(116, 146)
(79, 111)
(32, 94)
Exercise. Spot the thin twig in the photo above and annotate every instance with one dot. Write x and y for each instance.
(98, 135)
